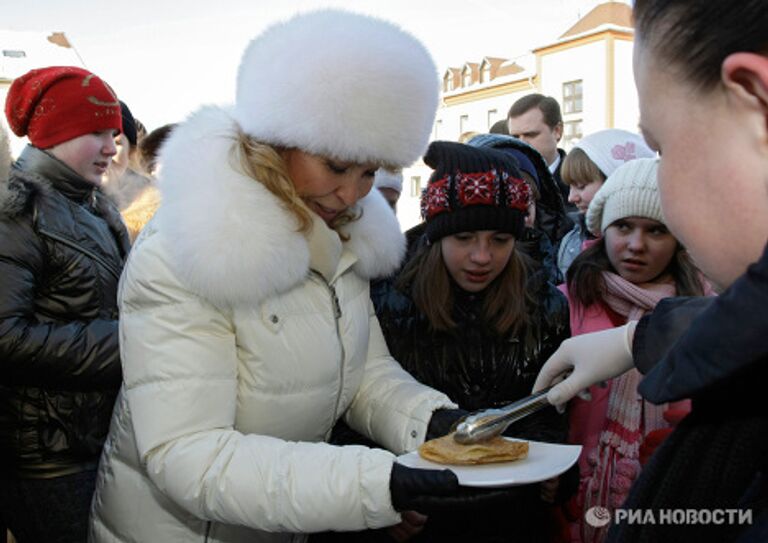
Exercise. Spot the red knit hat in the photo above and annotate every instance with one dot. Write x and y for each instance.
(57, 104)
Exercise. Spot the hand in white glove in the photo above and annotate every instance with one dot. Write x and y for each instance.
(593, 358)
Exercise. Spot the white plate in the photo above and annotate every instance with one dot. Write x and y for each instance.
(544, 461)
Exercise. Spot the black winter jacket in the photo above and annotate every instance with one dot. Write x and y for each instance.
(473, 366)
(62, 247)
(478, 369)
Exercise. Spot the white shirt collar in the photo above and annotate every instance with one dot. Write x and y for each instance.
(553, 167)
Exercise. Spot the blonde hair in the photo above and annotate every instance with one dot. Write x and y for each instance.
(263, 163)
(141, 210)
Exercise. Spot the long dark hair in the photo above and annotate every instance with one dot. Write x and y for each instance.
(506, 303)
(697, 35)
(586, 285)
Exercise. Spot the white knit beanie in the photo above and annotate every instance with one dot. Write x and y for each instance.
(341, 85)
(631, 191)
(387, 179)
(611, 148)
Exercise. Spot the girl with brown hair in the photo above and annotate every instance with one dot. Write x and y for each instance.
(466, 316)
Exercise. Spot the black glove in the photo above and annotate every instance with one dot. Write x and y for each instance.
(432, 492)
(443, 421)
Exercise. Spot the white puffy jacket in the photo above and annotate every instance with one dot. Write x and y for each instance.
(242, 342)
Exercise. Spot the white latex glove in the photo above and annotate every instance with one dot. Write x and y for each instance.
(593, 358)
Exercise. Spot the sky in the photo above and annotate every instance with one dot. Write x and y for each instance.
(166, 58)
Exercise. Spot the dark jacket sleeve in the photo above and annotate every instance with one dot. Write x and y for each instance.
(727, 336)
(76, 355)
(657, 332)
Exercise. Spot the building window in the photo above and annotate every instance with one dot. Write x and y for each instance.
(485, 73)
(416, 186)
(463, 122)
(572, 133)
(492, 115)
(572, 97)
(14, 53)
(446, 87)
(438, 128)
(466, 77)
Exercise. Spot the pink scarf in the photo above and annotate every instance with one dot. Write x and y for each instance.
(629, 417)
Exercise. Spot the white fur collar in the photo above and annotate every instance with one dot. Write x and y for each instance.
(230, 239)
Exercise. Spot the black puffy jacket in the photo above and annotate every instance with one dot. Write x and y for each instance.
(473, 365)
(62, 247)
(478, 369)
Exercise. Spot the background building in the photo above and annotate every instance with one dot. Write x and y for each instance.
(588, 69)
(22, 51)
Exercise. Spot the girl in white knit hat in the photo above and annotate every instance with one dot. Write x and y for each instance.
(247, 329)
(390, 184)
(632, 264)
(701, 70)
(584, 170)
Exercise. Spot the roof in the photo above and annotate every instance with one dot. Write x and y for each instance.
(509, 67)
(609, 13)
(22, 51)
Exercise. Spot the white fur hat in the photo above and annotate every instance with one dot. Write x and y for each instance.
(387, 179)
(339, 84)
(611, 148)
(631, 191)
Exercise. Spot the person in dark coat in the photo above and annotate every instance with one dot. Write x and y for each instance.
(551, 217)
(465, 317)
(550, 222)
(714, 352)
(537, 120)
(62, 248)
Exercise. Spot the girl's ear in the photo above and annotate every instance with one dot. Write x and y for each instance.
(745, 77)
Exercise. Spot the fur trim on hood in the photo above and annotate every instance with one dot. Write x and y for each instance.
(16, 194)
(232, 240)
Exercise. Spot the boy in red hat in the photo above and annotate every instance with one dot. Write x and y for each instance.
(62, 248)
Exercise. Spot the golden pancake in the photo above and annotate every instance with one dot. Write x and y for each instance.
(445, 450)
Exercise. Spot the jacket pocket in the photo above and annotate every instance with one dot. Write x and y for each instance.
(81, 418)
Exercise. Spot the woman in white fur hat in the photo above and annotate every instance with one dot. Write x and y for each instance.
(247, 329)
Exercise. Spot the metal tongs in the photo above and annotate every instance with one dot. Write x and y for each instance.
(486, 424)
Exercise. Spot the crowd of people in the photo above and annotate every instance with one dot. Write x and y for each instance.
(217, 331)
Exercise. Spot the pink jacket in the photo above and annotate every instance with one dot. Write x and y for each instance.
(587, 418)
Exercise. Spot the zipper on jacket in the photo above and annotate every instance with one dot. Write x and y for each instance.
(336, 317)
(207, 530)
(69, 243)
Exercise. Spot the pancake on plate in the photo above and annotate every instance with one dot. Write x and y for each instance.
(445, 450)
